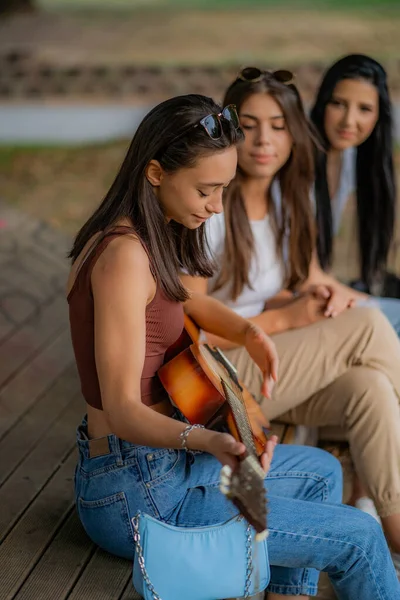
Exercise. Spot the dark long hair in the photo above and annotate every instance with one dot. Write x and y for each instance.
(295, 178)
(376, 193)
(167, 134)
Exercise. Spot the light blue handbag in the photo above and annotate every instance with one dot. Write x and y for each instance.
(202, 563)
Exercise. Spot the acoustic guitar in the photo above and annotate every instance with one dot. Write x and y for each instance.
(204, 386)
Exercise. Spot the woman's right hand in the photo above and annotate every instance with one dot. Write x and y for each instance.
(305, 310)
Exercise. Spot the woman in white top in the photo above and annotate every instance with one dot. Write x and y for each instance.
(333, 371)
(355, 174)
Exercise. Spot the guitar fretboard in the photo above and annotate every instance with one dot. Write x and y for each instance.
(238, 408)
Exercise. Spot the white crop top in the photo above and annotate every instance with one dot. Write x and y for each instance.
(267, 272)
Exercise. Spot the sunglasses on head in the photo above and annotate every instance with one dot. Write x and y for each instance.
(254, 74)
(212, 123)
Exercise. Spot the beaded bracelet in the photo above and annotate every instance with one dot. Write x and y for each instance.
(183, 436)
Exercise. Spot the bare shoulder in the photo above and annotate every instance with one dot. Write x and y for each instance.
(125, 263)
(125, 251)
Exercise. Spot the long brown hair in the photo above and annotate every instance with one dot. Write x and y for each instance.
(167, 133)
(295, 178)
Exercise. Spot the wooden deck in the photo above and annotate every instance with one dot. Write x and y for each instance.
(44, 552)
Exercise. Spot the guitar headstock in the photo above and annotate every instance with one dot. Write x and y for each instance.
(245, 488)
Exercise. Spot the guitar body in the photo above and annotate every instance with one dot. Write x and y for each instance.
(190, 388)
(193, 382)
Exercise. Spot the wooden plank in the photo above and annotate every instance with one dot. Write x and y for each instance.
(61, 565)
(104, 578)
(31, 476)
(34, 424)
(36, 274)
(30, 538)
(36, 260)
(130, 593)
(33, 380)
(29, 276)
(6, 325)
(16, 306)
(49, 241)
(13, 219)
(21, 249)
(39, 331)
(30, 232)
(286, 433)
(25, 283)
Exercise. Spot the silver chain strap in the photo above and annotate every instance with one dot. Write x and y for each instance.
(249, 562)
(139, 550)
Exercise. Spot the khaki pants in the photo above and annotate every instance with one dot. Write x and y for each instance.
(342, 372)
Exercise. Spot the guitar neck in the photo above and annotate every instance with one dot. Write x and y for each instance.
(236, 403)
(234, 396)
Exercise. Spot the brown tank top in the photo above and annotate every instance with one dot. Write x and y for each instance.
(164, 325)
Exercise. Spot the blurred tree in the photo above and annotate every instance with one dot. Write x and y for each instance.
(9, 6)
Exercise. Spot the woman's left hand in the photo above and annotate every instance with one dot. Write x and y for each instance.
(262, 350)
(267, 456)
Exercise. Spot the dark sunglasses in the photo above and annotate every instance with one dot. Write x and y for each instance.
(254, 74)
(212, 123)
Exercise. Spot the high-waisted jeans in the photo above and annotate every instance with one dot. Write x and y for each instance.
(310, 531)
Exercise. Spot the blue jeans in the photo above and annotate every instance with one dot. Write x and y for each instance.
(309, 530)
(389, 306)
(391, 309)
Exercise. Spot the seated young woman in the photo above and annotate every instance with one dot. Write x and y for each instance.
(341, 371)
(355, 184)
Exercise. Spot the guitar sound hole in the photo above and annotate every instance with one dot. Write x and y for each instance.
(219, 424)
(223, 428)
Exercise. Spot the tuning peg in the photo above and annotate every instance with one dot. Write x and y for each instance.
(260, 537)
(225, 480)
